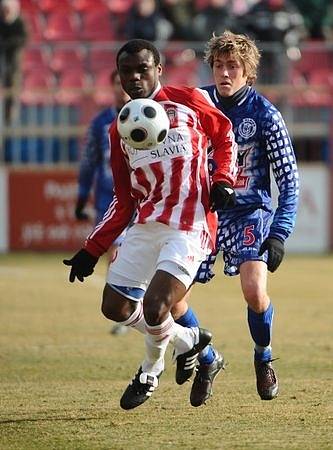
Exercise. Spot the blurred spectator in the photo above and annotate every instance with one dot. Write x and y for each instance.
(328, 24)
(276, 21)
(317, 16)
(241, 7)
(216, 17)
(180, 14)
(13, 36)
(146, 22)
(279, 23)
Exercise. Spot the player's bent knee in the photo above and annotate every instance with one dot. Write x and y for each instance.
(256, 298)
(116, 307)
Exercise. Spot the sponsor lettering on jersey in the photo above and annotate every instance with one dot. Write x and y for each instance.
(177, 143)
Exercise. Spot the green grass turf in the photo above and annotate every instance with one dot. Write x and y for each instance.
(62, 373)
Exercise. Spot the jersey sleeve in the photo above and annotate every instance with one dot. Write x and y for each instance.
(219, 130)
(283, 162)
(121, 210)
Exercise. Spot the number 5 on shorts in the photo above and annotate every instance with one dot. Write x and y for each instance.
(249, 237)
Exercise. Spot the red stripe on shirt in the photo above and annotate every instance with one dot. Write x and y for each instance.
(189, 205)
(142, 179)
(176, 180)
(156, 196)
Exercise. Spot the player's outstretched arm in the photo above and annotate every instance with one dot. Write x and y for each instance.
(82, 265)
(275, 249)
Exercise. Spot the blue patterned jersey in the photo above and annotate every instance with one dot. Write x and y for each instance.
(263, 143)
(95, 164)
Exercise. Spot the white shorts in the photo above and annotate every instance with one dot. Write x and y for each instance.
(154, 246)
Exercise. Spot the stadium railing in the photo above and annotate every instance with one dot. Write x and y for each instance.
(64, 84)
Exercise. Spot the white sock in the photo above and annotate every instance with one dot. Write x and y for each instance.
(184, 338)
(157, 339)
(136, 319)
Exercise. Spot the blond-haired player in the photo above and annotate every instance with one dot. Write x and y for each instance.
(251, 235)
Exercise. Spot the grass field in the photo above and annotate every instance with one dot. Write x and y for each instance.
(62, 373)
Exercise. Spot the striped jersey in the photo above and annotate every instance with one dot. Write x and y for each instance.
(263, 144)
(170, 183)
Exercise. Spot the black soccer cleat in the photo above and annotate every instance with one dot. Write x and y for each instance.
(186, 362)
(202, 387)
(139, 390)
(267, 383)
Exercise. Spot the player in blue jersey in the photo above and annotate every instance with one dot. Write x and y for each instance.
(95, 172)
(251, 235)
(95, 164)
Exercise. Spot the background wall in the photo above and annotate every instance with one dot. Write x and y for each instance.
(37, 210)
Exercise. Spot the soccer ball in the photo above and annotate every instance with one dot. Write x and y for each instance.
(143, 123)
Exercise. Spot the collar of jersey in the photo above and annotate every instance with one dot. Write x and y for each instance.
(236, 99)
(155, 92)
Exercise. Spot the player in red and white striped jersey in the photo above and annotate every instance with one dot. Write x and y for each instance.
(169, 184)
(168, 188)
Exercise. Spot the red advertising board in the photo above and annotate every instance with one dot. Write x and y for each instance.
(41, 210)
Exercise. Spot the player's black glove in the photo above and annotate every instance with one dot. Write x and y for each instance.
(79, 213)
(275, 249)
(222, 195)
(82, 265)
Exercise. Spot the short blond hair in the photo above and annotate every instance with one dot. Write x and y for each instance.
(238, 45)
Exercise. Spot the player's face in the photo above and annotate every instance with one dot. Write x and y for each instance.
(138, 73)
(229, 74)
(120, 96)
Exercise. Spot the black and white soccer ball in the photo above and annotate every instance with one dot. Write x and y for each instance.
(143, 123)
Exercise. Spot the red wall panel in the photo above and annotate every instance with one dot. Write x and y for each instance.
(41, 210)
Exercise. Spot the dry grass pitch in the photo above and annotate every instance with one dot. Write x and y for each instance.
(62, 373)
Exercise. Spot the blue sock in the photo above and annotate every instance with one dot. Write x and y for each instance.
(189, 319)
(261, 332)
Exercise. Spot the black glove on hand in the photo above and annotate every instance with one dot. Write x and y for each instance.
(82, 265)
(79, 213)
(275, 249)
(222, 195)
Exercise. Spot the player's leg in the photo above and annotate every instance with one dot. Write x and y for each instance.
(163, 291)
(117, 329)
(138, 258)
(253, 276)
(211, 362)
(123, 305)
(243, 233)
(185, 316)
(127, 279)
(111, 254)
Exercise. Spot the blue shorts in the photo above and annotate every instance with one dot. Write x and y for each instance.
(239, 237)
